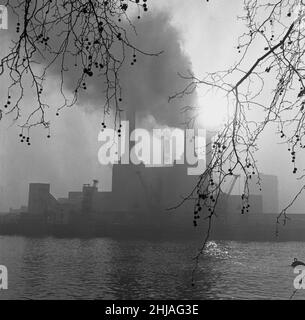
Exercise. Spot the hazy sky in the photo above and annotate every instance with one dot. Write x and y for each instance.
(194, 34)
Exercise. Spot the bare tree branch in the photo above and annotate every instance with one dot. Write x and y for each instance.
(81, 40)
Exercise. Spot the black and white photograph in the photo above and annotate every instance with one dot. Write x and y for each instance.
(152, 151)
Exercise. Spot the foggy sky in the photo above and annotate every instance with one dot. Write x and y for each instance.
(207, 32)
(69, 158)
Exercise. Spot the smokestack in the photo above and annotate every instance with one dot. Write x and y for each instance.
(126, 143)
(209, 144)
(131, 117)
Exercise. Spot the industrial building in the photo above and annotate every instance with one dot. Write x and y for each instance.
(267, 185)
(138, 205)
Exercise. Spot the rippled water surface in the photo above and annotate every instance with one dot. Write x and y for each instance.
(51, 268)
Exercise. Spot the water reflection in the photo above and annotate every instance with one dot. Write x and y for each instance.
(48, 268)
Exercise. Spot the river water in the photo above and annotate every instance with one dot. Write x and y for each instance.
(103, 268)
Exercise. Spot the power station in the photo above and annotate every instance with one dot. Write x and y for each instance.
(139, 204)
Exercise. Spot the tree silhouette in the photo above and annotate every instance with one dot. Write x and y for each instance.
(86, 38)
(91, 37)
(266, 86)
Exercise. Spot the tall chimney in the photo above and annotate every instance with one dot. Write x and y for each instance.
(131, 117)
(209, 144)
(126, 143)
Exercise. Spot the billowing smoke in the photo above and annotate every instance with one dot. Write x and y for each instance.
(148, 83)
(69, 158)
